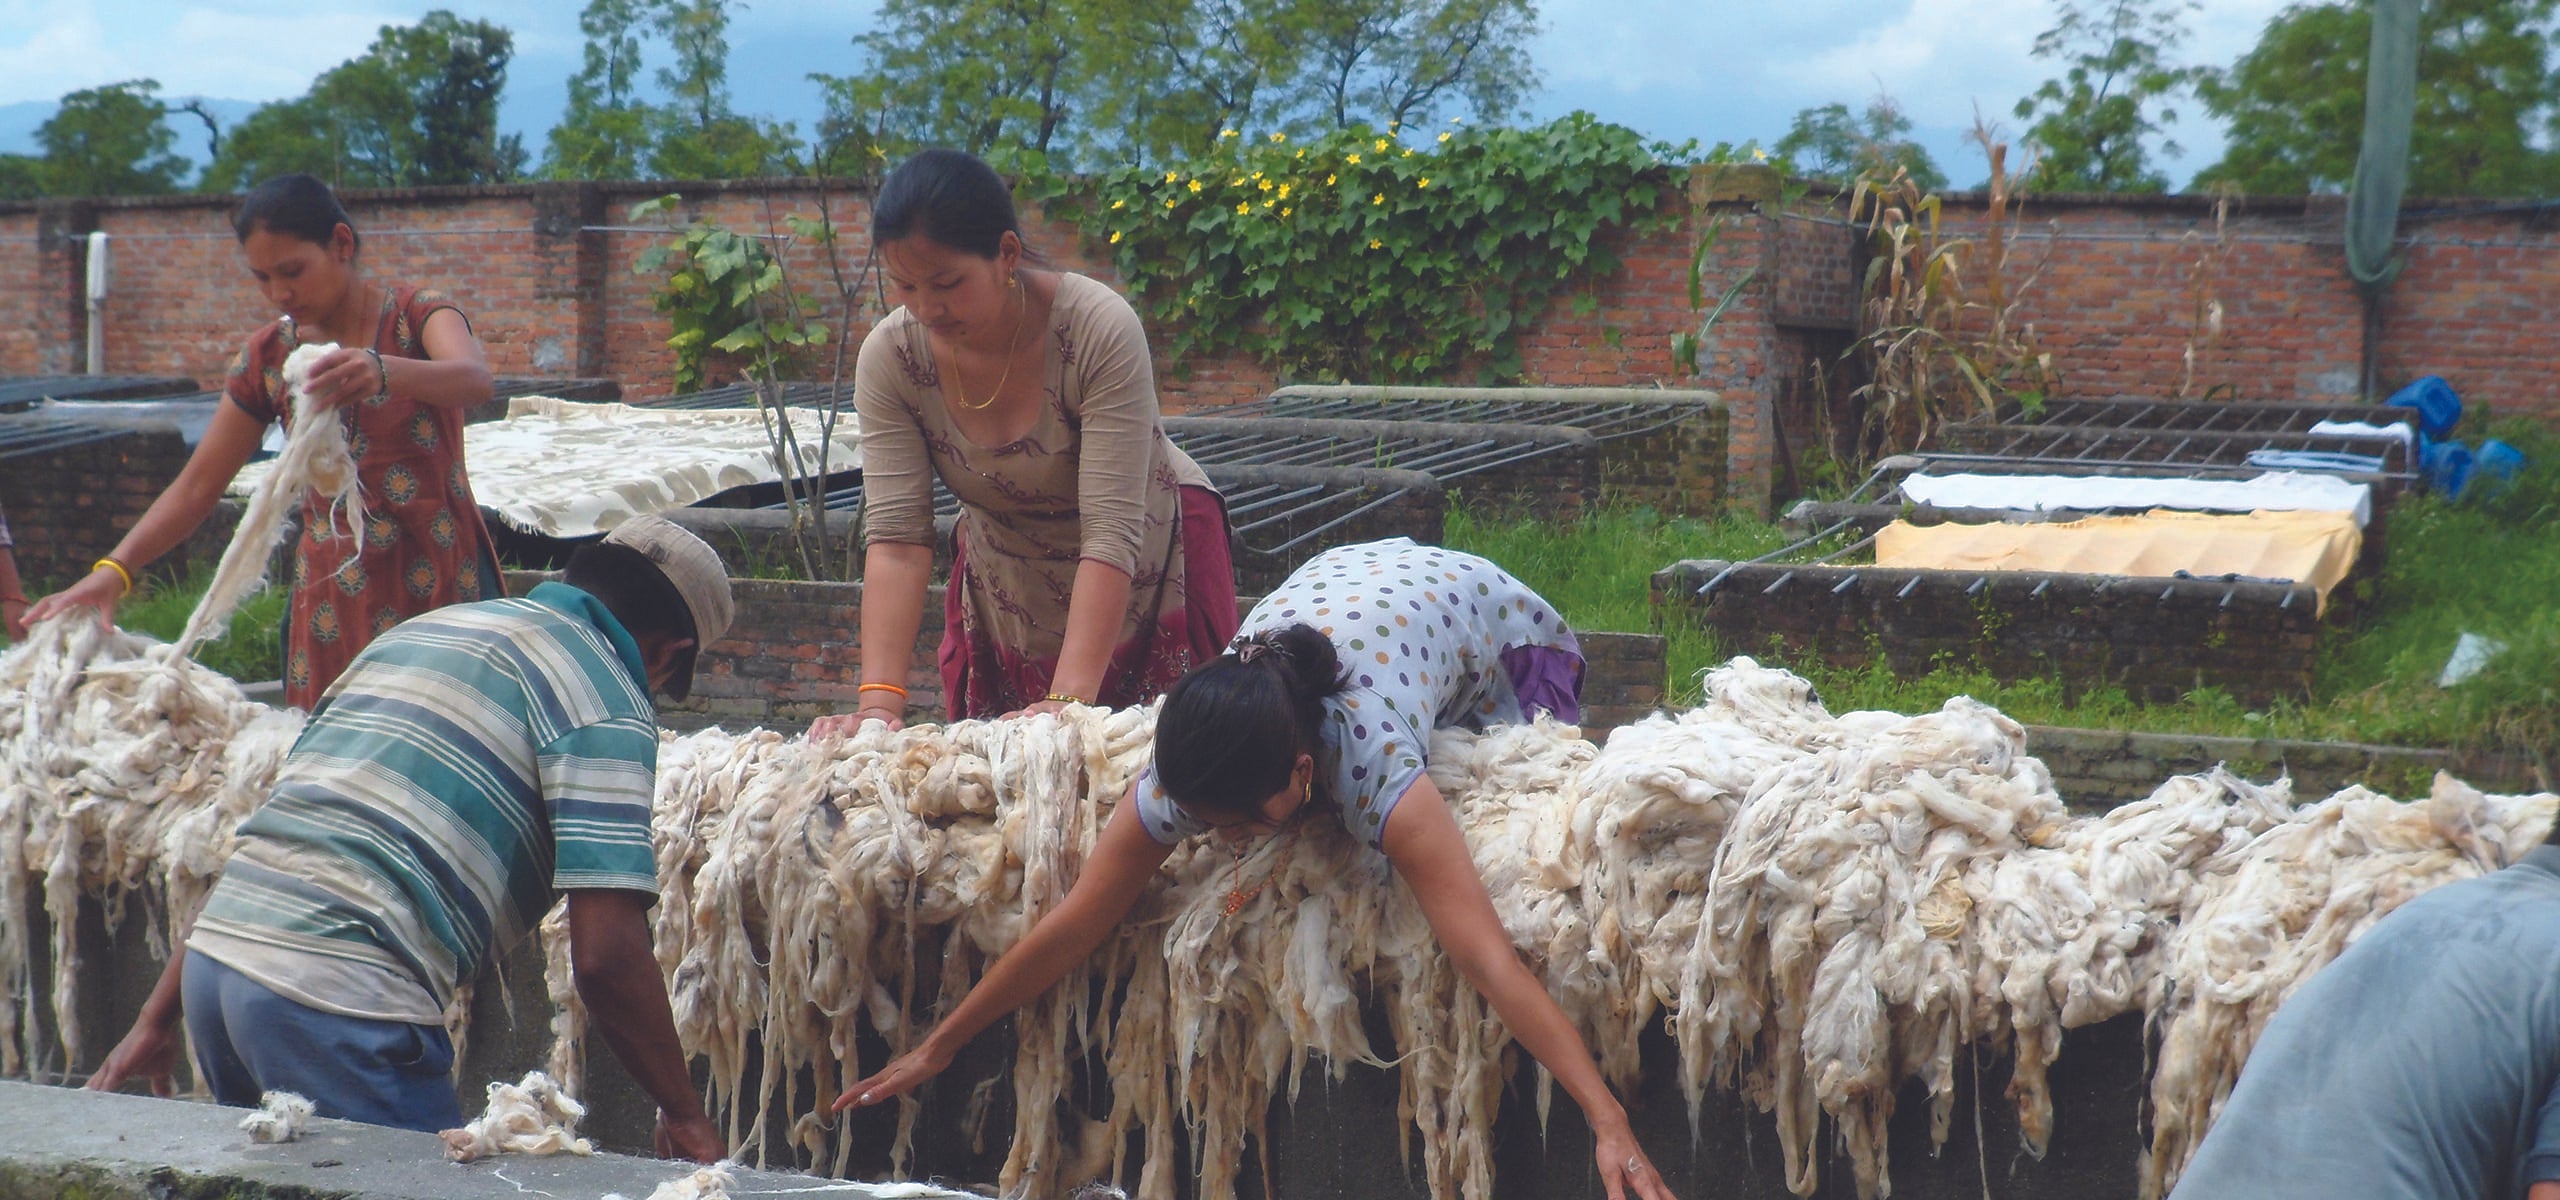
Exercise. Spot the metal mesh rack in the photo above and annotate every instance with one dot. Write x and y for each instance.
(1606, 418)
(795, 394)
(48, 432)
(2134, 432)
(1663, 448)
(26, 392)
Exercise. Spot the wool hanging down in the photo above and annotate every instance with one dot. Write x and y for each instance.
(122, 762)
(1820, 908)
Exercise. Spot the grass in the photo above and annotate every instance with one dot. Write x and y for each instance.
(2489, 565)
(251, 651)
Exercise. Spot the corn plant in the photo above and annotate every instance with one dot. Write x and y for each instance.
(1940, 334)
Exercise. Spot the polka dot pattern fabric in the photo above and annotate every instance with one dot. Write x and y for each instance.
(1421, 632)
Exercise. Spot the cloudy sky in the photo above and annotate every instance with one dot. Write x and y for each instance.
(1715, 70)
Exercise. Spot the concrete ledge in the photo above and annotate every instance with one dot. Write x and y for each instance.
(64, 1143)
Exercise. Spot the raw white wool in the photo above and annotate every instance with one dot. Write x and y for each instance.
(279, 1117)
(532, 1116)
(708, 1183)
(1821, 908)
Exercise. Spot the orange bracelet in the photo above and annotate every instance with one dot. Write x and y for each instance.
(881, 687)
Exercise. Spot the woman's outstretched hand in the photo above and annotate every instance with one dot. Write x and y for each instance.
(99, 590)
(904, 1074)
(1624, 1169)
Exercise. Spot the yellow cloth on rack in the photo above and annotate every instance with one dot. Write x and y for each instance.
(2314, 548)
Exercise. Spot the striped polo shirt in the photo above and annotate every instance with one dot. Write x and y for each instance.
(471, 762)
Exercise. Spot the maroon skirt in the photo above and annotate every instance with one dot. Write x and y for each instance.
(983, 679)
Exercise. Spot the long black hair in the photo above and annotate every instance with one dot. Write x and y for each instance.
(951, 197)
(1232, 730)
(297, 204)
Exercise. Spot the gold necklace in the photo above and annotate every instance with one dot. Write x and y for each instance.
(1238, 895)
(1012, 344)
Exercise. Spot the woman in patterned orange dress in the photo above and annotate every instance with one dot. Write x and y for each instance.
(407, 369)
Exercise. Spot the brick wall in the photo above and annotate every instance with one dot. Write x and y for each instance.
(67, 507)
(546, 273)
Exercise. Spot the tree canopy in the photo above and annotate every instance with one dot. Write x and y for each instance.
(419, 107)
(611, 131)
(1107, 81)
(2090, 127)
(1830, 143)
(2486, 95)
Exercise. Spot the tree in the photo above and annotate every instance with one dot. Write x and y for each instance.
(1400, 62)
(695, 135)
(418, 107)
(111, 141)
(1827, 142)
(2088, 126)
(605, 132)
(2295, 102)
(22, 177)
(974, 74)
(1112, 80)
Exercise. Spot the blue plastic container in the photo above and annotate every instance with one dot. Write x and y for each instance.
(2448, 467)
(2495, 464)
(2439, 409)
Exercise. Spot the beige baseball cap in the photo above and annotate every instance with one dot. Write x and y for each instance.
(694, 568)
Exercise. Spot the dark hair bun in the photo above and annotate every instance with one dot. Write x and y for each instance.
(1232, 729)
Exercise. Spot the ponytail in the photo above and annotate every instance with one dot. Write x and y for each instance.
(1232, 729)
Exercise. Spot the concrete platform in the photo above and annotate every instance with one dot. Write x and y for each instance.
(58, 1142)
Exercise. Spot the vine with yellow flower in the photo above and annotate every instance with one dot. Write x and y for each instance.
(1365, 256)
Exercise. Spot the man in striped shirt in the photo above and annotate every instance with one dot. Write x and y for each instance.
(471, 765)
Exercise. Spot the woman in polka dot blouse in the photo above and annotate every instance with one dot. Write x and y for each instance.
(1335, 683)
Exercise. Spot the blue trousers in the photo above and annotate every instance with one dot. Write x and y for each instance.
(249, 1041)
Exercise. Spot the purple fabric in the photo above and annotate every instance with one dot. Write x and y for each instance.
(1545, 679)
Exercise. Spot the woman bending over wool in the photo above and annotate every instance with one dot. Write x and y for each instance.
(406, 370)
(1337, 682)
(1090, 563)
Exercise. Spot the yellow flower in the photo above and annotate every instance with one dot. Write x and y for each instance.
(1115, 234)
(1172, 176)
(1354, 159)
(1279, 137)
(1168, 205)
(1444, 135)
(1426, 182)
(1286, 211)
(1226, 133)
(1328, 181)
(1117, 205)
(1257, 175)
(1408, 152)
(1266, 204)
(1759, 155)
(1243, 207)
(1284, 191)
(1375, 243)
(1195, 187)
(1302, 153)
(1238, 181)
(1382, 145)
(1380, 198)
(1266, 185)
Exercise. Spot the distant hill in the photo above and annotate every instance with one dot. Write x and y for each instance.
(18, 124)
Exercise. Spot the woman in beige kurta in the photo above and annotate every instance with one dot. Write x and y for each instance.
(1090, 563)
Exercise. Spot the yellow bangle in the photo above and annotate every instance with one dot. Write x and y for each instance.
(1063, 698)
(111, 564)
